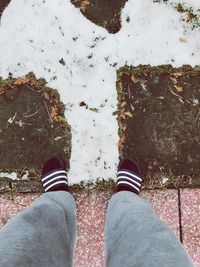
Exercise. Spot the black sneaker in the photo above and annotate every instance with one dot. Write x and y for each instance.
(129, 176)
(54, 175)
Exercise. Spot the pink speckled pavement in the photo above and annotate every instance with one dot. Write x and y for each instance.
(190, 218)
(91, 210)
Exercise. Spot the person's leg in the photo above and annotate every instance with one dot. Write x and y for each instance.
(134, 236)
(43, 234)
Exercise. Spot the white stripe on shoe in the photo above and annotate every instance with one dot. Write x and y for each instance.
(60, 182)
(130, 179)
(54, 173)
(53, 179)
(131, 174)
(125, 182)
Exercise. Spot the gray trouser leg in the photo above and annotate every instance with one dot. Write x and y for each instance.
(42, 235)
(135, 237)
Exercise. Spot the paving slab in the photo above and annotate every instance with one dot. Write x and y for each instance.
(190, 217)
(27, 104)
(165, 205)
(91, 212)
(10, 205)
(159, 123)
(91, 220)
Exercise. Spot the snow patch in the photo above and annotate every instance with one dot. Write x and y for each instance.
(12, 175)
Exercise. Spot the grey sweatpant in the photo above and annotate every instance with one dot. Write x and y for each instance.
(44, 235)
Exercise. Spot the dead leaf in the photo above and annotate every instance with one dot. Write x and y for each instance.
(122, 116)
(177, 74)
(161, 97)
(46, 96)
(128, 114)
(25, 80)
(123, 104)
(2, 90)
(121, 142)
(183, 39)
(178, 88)
(133, 79)
(21, 81)
(132, 107)
(54, 113)
(84, 5)
(58, 138)
(174, 80)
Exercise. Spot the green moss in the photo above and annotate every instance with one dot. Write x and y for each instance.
(188, 14)
(94, 109)
(91, 186)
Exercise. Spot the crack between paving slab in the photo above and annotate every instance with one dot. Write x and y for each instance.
(180, 215)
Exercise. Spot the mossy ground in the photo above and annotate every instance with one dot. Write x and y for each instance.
(159, 121)
(32, 126)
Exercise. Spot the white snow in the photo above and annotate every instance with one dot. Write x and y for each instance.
(194, 4)
(36, 34)
(165, 180)
(12, 175)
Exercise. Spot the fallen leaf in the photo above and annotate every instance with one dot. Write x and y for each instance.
(132, 107)
(121, 142)
(122, 116)
(177, 74)
(84, 5)
(46, 96)
(25, 80)
(123, 104)
(58, 138)
(54, 113)
(174, 80)
(183, 39)
(178, 88)
(133, 79)
(128, 114)
(2, 90)
(21, 81)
